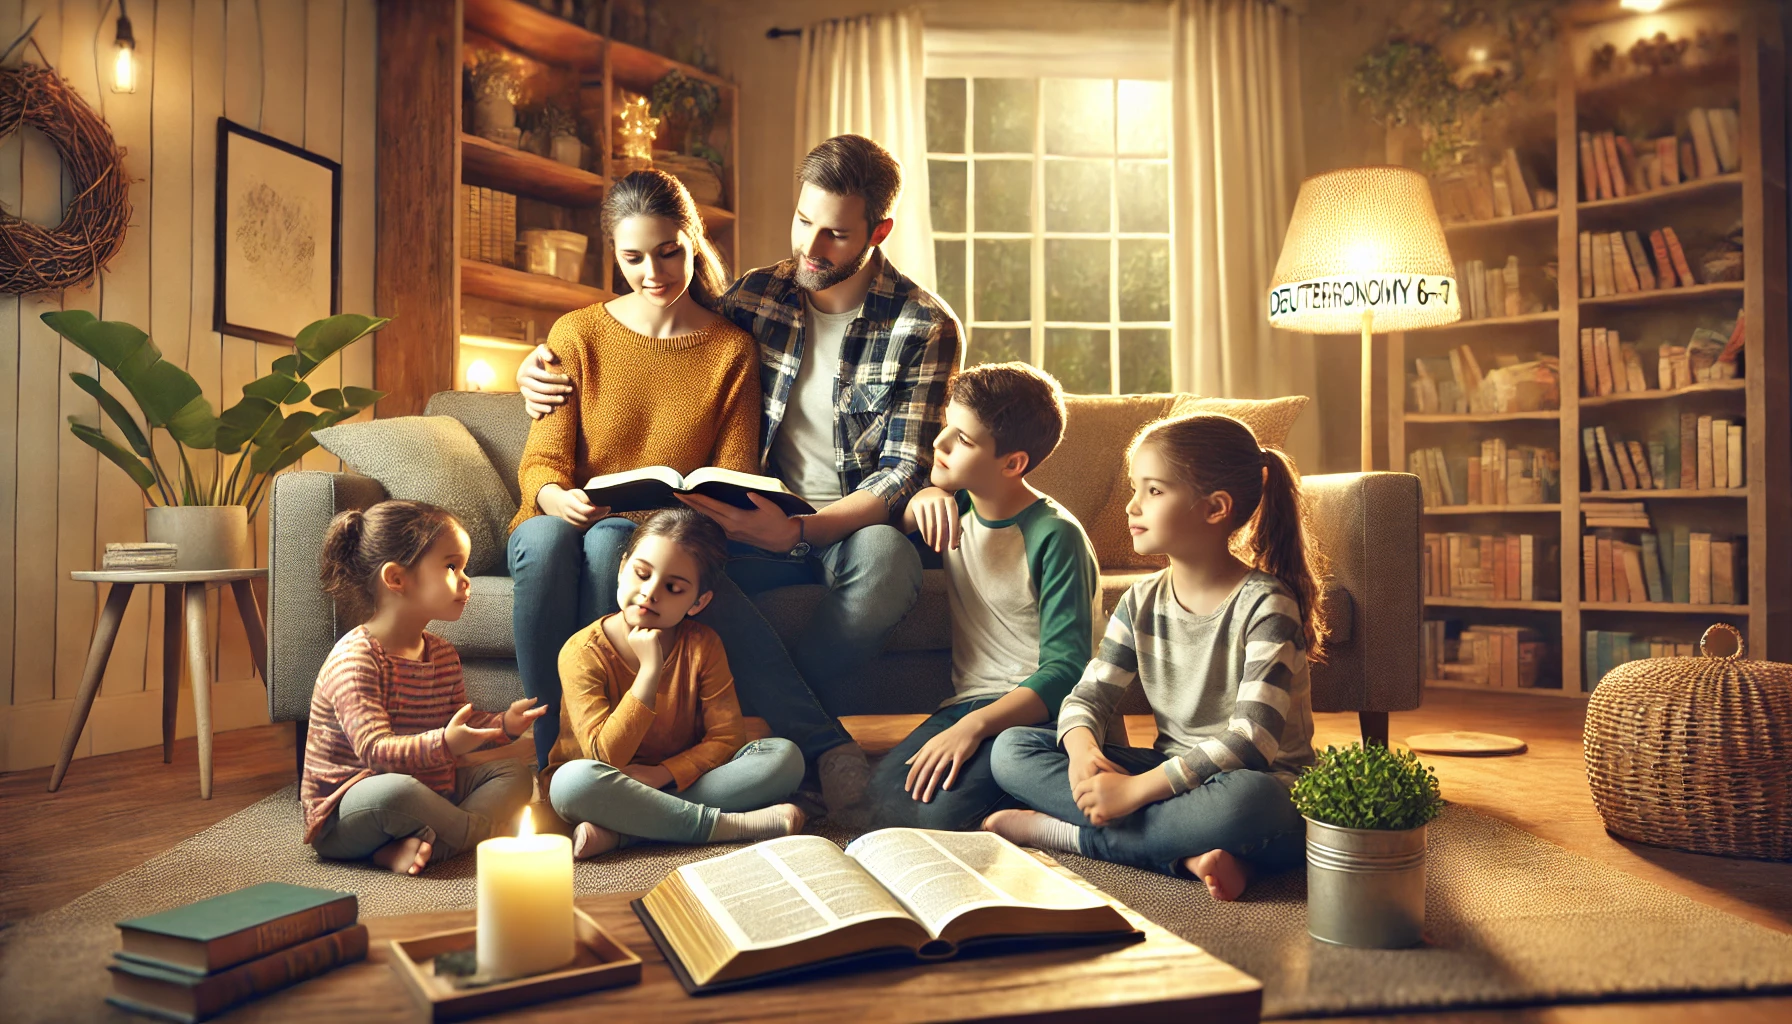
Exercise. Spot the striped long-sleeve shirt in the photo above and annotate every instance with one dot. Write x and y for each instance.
(373, 713)
(1229, 689)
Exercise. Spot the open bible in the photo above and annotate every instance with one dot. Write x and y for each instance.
(799, 903)
(651, 487)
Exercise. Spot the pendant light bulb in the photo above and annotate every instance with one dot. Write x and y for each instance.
(124, 61)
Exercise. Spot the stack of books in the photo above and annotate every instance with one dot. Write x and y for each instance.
(1611, 366)
(197, 961)
(1487, 293)
(1501, 474)
(1613, 166)
(141, 555)
(1707, 455)
(1673, 566)
(487, 225)
(1618, 262)
(1503, 187)
(1505, 657)
(1457, 384)
(1606, 650)
(1498, 567)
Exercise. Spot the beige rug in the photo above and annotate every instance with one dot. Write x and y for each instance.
(1511, 920)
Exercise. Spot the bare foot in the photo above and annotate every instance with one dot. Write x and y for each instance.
(406, 856)
(1031, 828)
(1226, 876)
(589, 840)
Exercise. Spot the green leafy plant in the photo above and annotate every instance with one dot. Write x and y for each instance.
(1368, 787)
(261, 430)
(690, 101)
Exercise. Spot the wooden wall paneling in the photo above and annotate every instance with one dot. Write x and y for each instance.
(11, 166)
(418, 281)
(323, 136)
(359, 84)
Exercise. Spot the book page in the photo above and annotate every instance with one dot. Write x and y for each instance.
(664, 474)
(753, 481)
(940, 876)
(786, 890)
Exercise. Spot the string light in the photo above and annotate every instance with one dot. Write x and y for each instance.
(124, 63)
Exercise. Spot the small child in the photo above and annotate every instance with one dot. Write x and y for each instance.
(1220, 640)
(390, 713)
(652, 744)
(1021, 579)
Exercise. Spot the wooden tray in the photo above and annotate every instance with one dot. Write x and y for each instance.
(600, 962)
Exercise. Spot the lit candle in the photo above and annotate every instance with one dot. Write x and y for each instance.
(525, 903)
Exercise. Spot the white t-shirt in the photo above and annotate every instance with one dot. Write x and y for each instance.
(804, 448)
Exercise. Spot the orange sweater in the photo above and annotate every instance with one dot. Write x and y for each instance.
(694, 725)
(687, 402)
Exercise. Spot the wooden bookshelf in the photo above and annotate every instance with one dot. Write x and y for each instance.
(538, 291)
(1759, 514)
(1481, 417)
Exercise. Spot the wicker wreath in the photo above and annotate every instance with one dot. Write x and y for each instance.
(38, 259)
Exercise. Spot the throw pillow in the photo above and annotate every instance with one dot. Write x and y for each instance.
(433, 459)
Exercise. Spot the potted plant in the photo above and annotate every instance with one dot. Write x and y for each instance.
(497, 81)
(1366, 809)
(206, 514)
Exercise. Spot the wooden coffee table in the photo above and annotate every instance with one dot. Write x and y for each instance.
(1162, 978)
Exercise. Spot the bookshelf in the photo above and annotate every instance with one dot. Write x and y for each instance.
(1760, 513)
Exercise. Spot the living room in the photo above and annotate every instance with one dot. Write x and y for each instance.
(1463, 325)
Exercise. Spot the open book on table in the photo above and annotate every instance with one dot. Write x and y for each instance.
(651, 487)
(799, 903)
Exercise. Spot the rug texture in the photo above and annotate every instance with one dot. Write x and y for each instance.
(1511, 920)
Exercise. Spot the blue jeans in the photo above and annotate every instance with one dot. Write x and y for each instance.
(564, 580)
(1248, 814)
(761, 773)
(391, 805)
(973, 796)
(873, 578)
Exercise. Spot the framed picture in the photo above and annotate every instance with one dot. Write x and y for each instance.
(279, 245)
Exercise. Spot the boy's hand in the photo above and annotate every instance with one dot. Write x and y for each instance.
(1086, 760)
(572, 506)
(936, 516)
(646, 645)
(543, 389)
(463, 738)
(942, 756)
(656, 776)
(519, 716)
(1106, 797)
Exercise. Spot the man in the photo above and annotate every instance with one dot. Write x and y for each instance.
(854, 363)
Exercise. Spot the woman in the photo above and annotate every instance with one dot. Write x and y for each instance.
(658, 379)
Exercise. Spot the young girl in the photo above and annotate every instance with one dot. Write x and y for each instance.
(652, 744)
(390, 714)
(658, 379)
(1220, 640)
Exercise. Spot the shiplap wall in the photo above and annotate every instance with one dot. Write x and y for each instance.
(300, 70)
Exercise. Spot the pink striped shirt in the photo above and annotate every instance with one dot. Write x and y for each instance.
(372, 712)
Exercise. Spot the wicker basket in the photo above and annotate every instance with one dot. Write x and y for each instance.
(1695, 753)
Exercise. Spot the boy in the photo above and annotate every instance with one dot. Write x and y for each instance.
(1021, 577)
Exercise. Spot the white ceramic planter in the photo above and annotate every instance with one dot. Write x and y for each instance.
(205, 536)
(493, 113)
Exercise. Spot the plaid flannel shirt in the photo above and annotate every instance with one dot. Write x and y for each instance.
(890, 394)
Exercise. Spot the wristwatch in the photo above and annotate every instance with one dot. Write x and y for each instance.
(801, 550)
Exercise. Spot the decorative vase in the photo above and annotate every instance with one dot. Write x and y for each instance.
(205, 536)
(1365, 887)
(568, 150)
(493, 114)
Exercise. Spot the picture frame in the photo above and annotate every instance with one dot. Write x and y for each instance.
(278, 236)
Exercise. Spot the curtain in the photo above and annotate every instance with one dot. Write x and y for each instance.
(1235, 168)
(864, 76)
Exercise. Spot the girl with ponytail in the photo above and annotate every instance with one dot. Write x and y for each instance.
(1220, 641)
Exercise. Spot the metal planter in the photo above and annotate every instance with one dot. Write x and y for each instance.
(1365, 887)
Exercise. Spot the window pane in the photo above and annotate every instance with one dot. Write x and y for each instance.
(945, 183)
(1004, 195)
(1006, 108)
(1145, 118)
(1144, 279)
(1077, 194)
(999, 345)
(1076, 280)
(1004, 279)
(1079, 116)
(1144, 361)
(1144, 196)
(1078, 357)
(948, 263)
(945, 115)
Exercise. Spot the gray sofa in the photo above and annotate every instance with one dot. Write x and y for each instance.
(1366, 524)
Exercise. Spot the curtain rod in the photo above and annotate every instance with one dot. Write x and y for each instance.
(779, 33)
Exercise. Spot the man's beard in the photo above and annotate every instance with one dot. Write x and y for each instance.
(831, 273)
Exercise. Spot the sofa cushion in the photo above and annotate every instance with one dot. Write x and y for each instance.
(433, 459)
(496, 420)
(485, 628)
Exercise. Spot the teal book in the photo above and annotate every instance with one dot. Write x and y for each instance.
(212, 934)
(177, 995)
(1682, 565)
(1591, 654)
(1652, 567)
(1664, 549)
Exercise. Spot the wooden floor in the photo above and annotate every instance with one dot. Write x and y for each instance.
(116, 811)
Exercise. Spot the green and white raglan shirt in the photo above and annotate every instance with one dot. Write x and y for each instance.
(1230, 689)
(1025, 595)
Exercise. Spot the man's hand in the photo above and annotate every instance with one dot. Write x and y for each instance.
(646, 645)
(936, 516)
(572, 506)
(936, 765)
(652, 775)
(519, 716)
(1086, 760)
(1105, 797)
(764, 526)
(544, 390)
(463, 738)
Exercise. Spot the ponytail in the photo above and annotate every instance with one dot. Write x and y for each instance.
(360, 543)
(1278, 544)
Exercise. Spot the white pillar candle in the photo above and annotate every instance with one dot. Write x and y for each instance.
(525, 903)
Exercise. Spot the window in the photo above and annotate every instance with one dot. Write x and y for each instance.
(1051, 224)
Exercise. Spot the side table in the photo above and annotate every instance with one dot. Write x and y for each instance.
(183, 589)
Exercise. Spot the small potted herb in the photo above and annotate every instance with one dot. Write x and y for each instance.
(1366, 809)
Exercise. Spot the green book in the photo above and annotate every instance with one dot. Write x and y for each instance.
(1682, 565)
(1591, 654)
(216, 933)
(1652, 567)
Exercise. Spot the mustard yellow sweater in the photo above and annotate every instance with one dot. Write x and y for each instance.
(686, 402)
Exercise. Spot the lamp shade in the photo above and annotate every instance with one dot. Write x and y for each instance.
(1364, 239)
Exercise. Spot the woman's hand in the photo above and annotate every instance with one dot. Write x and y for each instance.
(652, 775)
(936, 516)
(544, 389)
(463, 738)
(572, 506)
(519, 716)
(943, 755)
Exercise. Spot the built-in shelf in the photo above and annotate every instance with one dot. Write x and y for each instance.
(1475, 510)
(1664, 296)
(1548, 316)
(1697, 188)
(1488, 602)
(495, 165)
(490, 281)
(536, 32)
(1594, 497)
(499, 344)
(1481, 417)
(1517, 220)
(1663, 607)
(1737, 385)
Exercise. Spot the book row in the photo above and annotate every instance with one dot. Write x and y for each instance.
(1505, 657)
(1606, 649)
(1708, 455)
(1677, 566)
(1611, 366)
(1477, 191)
(1497, 567)
(1456, 384)
(1614, 166)
(487, 225)
(1490, 292)
(1619, 263)
(1499, 475)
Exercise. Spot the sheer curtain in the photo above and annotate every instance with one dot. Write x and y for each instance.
(864, 76)
(1235, 167)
